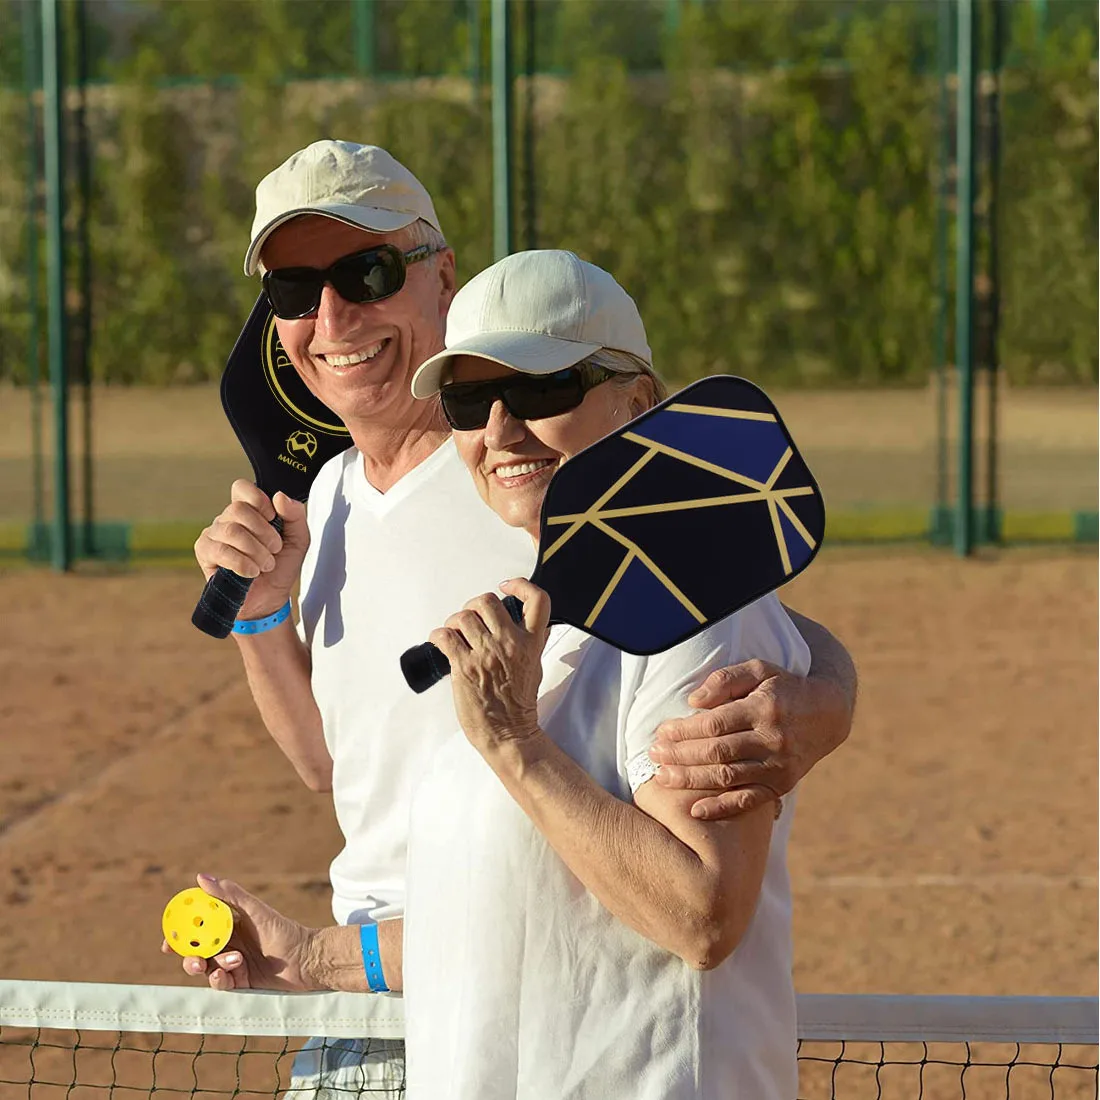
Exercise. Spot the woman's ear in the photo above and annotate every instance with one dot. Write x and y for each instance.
(643, 396)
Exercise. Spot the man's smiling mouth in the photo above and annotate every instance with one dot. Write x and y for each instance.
(356, 357)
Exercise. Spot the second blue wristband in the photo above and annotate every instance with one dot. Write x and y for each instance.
(372, 958)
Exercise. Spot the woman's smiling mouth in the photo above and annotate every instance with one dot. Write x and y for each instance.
(517, 471)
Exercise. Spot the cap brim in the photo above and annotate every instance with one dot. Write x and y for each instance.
(528, 352)
(362, 217)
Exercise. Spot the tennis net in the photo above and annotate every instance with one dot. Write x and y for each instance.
(86, 1041)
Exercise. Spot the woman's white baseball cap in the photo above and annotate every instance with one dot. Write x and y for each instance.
(358, 184)
(537, 312)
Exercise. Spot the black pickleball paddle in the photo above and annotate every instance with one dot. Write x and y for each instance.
(287, 434)
(682, 517)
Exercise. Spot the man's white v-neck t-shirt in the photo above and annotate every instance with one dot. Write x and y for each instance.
(383, 570)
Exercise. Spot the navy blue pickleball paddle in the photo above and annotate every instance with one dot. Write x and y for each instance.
(675, 521)
(286, 432)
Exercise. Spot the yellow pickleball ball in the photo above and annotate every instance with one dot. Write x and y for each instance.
(195, 923)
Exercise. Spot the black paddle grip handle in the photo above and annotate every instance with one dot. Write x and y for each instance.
(223, 597)
(425, 664)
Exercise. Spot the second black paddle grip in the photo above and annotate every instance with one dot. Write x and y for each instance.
(223, 597)
(425, 665)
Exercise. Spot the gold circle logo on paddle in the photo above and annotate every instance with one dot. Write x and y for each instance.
(290, 391)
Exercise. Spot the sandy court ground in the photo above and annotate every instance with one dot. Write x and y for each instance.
(949, 848)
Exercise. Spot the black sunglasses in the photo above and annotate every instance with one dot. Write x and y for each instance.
(467, 405)
(367, 276)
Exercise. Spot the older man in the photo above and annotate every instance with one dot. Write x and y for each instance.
(360, 278)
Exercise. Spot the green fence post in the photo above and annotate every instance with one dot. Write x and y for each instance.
(502, 128)
(83, 364)
(941, 522)
(473, 34)
(530, 196)
(992, 526)
(1040, 8)
(32, 82)
(53, 128)
(362, 17)
(672, 17)
(964, 276)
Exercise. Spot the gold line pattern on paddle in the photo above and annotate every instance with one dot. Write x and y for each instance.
(598, 514)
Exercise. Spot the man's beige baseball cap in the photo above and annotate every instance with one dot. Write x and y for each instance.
(537, 312)
(358, 184)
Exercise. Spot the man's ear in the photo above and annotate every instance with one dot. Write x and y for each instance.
(448, 278)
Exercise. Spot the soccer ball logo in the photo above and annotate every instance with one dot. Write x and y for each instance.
(302, 442)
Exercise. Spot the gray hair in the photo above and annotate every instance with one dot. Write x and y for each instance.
(417, 233)
(422, 232)
(626, 367)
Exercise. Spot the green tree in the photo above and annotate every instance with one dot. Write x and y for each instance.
(760, 175)
(1048, 216)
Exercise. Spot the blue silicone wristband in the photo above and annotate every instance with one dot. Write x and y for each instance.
(261, 626)
(372, 958)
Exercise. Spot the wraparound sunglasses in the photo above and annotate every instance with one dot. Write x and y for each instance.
(467, 405)
(367, 276)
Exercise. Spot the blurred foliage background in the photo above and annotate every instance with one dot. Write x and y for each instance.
(760, 174)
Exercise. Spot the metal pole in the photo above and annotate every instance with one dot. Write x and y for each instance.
(362, 17)
(32, 82)
(993, 367)
(530, 237)
(943, 64)
(84, 342)
(672, 17)
(964, 276)
(60, 547)
(502, 128)
(1040, 7)
(473, 33)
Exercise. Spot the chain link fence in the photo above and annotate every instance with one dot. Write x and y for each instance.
(771, 179)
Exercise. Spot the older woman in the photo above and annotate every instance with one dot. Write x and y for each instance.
(571, 930)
